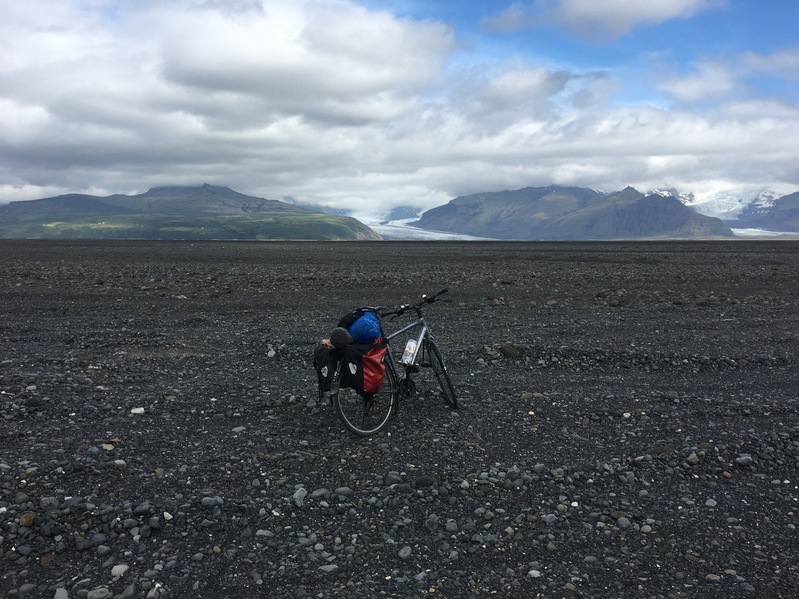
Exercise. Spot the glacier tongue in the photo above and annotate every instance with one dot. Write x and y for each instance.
(727, 204)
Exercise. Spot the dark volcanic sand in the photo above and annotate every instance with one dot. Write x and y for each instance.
(628, 427)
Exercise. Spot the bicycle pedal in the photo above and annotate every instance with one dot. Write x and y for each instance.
(407, 389)
(425, 364)
(412, 368)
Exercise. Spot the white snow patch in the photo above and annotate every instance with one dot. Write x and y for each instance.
(762, 233)
(728, 203)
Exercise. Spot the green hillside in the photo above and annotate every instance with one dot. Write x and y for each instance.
(205, 212)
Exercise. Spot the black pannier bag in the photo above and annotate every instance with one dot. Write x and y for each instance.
(363, 369)
(325, 361)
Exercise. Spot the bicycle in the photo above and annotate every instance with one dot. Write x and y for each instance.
(368, 414)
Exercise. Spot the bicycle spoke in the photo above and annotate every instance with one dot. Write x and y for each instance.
(364, 416)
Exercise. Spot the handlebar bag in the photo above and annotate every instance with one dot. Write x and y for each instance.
(363, 368)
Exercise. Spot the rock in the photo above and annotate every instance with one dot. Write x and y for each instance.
(392, 478)
(299, 497)
(119, 570)
(329, 568)
(424, 481)
(624, 450)
(510, 351)
(27, 519)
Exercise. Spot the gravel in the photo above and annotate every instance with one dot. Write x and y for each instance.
(628, 424)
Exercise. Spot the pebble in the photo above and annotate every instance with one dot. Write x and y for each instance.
(299, 497)
(329, 568)
(392, 478)
(119, 570)
(573, 490)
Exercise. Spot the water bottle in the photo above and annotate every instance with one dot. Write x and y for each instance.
(410, 349)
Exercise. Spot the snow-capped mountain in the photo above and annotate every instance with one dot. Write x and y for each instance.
(764, 202)
(729, 204)
(759, 212)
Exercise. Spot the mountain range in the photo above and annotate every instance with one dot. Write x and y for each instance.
(205, 212)
(532, 213)
(573, 213)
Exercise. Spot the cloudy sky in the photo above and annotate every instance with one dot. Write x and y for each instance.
(369, 104)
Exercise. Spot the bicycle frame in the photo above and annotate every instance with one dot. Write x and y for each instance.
(430, 357)
(423, 332)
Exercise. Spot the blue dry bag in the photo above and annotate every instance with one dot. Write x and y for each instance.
(366, 328)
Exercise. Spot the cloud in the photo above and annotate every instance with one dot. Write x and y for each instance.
(335, 64)
(714, 80)
(783, 64)
(709, 81)
(326, 101)
(514, 93)
(603, 20)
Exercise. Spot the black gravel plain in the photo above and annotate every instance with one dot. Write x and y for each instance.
(628, 425)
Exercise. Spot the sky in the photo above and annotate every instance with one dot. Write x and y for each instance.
(370, 104)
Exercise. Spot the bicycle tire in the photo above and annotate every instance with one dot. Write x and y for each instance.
(365, 416)
(437, 362)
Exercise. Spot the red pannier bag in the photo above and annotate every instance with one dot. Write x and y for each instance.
(363, 368)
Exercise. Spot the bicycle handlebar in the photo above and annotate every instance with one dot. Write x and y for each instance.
(417, 307)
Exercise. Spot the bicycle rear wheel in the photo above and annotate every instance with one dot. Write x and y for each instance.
(364, 416)
(437, 362)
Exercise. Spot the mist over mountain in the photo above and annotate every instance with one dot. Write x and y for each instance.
(750, 211)
(204, 212)
(728, 204)
(771, 214)
(572, 213)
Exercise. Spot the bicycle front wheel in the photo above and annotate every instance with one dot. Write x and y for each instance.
(365, 416)
(437, 362)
